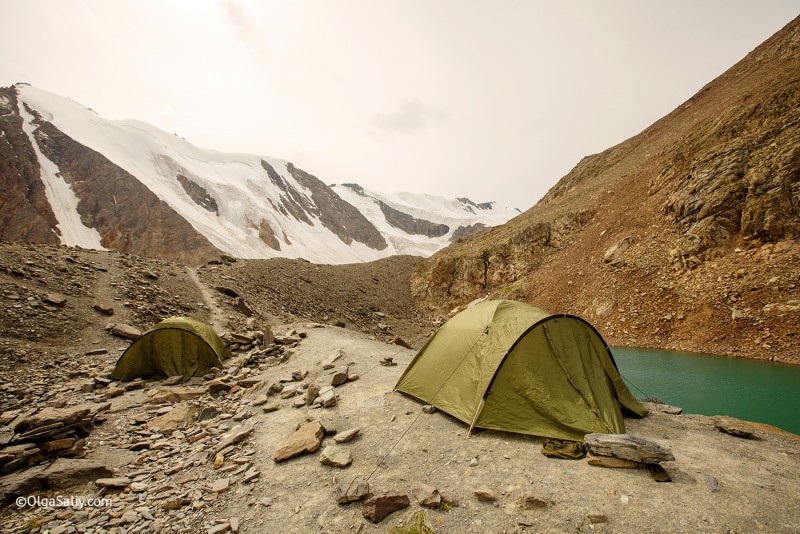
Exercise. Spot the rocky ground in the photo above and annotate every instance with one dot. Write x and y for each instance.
(201, 456)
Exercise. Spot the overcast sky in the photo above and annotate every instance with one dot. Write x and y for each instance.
(494, 100)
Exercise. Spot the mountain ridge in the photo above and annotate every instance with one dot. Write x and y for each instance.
(176, 201)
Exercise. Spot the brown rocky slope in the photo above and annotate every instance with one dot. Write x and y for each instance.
(684, 236)
(201, 456)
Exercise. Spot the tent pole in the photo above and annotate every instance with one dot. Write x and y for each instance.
(477, 413)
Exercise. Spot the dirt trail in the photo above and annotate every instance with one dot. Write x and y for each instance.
(216, 315)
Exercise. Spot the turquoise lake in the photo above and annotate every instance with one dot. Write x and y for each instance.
(765, 392)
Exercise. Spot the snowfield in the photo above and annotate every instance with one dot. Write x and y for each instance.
(245, 196)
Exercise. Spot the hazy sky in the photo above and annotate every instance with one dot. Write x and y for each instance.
(494, 100)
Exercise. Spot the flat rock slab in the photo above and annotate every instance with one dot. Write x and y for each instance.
(116, 482)
(174, 394)
(662, 408)
(179, 416)
(734, 427)
(236, 435)
(627, 447)
(65, 472)
(336, 456)
(610, 461)
(126, 331)
(62, 473)
(50, 416)
(305, 440)
(377, 508)
(352, 489)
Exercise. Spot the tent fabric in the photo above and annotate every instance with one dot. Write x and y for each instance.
(176, 346)
(506, 365)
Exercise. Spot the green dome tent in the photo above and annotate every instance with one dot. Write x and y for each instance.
(175, 346)
(509, 366)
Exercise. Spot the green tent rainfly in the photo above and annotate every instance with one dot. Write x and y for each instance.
(175, 346)
(509, 366)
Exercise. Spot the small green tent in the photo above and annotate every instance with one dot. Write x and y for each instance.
(175, 346)
(509, 366)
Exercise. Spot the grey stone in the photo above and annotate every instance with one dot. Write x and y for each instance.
(347, 435)
(352, 489)
(427, 495)
(340, 377)
(237, 434)
(328, 362)
(116, 482)
(615, 252)
(335, 456)
(65, 472)
(126, 331)
(663, 408)
(627, 447)
(218, 486)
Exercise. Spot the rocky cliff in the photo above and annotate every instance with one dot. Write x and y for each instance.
(684, 236)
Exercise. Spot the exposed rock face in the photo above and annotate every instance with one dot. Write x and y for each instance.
(337, 215)
(710, 199)
(412, 225)
(198, 193)
(465, 231)
(341, 218)
(128, 216)
(25, 213)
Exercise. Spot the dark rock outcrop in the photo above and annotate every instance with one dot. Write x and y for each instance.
(412, 225)
(25, 213)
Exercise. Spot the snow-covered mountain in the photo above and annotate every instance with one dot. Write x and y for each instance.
(72, 177)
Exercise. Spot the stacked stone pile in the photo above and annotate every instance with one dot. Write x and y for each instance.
(30, 438)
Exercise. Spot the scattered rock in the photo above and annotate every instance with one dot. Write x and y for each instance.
(734, 427)
(397, 340)
(596, 518)
(615, 252)
(328, 362)
(484, 494)
(352, 489)
(242, 306)
(377, 508)
(662, 408)
(126, 331)
(347, 435)
(610, 461)
(340, 377)
(117, 482)
(218, 486)
(335, 456)
(101, 308)
(713, 484)
(305, 440)
(531, 502)
(180, 416)
(427, 495)
(627, 447)
(55, 299)
(236, 435)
